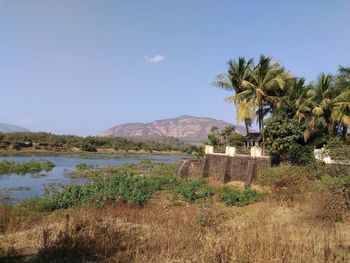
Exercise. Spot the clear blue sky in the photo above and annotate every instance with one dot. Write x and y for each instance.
(80, 67)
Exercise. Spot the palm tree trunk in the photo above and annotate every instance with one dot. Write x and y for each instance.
(261, 122)
(261, 117)
(345, 131)
(246, 126)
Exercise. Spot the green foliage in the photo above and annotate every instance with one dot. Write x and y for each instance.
(301, 154)
(214, 136)
(123, 187)
(7, 167)
(193, 190)
(2, 135)
(284, 138)
(198, 151)
(91, 143)
(134, 184)
(235, 197)
(226, 137)
(338, 149)
(310, 111)
(88, 147)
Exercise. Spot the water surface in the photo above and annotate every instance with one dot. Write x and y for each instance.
(14, 188)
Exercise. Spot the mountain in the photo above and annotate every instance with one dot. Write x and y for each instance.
(12, 128)
(187, 128)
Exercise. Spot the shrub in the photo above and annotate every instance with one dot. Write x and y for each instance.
(338, 150)
(301, 154)
(287, 182)
(88, 147)
(194, 189)
(235, 197)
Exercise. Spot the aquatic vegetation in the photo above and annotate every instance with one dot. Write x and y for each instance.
(122, 187)
(132, 184)
(84, 166)
(9, 167)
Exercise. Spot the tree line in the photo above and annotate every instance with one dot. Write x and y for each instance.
(299, 114)
(91, 143)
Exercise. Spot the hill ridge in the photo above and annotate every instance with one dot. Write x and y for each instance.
(188, 128)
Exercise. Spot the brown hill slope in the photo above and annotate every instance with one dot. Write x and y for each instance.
(187, 128)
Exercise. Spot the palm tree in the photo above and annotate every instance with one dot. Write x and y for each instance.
(341, 109)
(316, 108)
(237, 75)
(294, 94)
(260, 92)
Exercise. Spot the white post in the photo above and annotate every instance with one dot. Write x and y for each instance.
(230, 151)
(208, 149)
(256, 151)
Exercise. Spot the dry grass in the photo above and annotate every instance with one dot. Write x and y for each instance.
(302, 219)
(167, 232)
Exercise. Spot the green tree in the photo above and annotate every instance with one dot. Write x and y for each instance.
(226, 137)
(238, 74)
(327, 105)
(341, 109)
(214, 137)
(281, 133)
(229, 137)
(257, 88)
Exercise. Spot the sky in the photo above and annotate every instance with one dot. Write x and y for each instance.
(82, 66)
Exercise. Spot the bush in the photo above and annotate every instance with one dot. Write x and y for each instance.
(235, 197)
(88, 147)
(338, 150)
(193, 190)
(301, 154)
(287, 182)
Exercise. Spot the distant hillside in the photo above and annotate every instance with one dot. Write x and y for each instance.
(187, 128)
(12, 128)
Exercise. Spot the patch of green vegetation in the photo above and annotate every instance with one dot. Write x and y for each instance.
(194, 190)
(134, 184)
(7, 167)
(235, 197)
(123, 187)
(84, 167)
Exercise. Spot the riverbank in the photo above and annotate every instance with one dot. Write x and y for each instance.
(143, 213)
(12, 152)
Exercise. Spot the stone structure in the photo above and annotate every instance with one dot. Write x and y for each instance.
(225, 167)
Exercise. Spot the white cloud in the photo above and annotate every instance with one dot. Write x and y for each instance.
(154, 59)
(24, 122)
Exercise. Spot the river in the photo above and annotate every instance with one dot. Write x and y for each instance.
(14, 188)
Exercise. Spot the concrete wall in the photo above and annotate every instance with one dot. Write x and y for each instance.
(224, 168)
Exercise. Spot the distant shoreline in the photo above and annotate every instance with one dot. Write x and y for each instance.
(76, 150)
